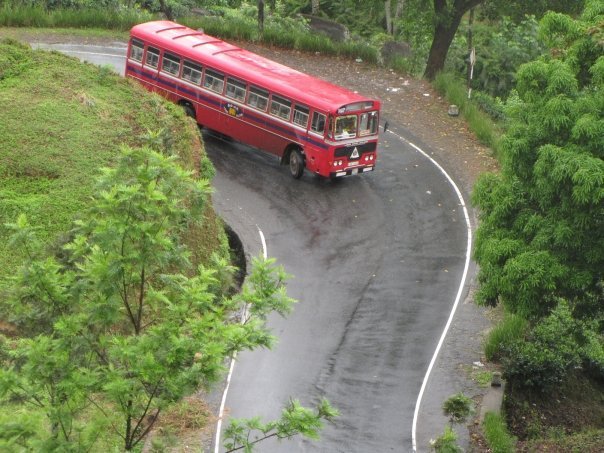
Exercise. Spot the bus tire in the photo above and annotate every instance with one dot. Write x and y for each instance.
(296, 163)
(189, 110)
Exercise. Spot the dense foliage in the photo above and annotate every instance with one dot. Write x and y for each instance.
(541, 237)
(116, 331)
(110, 324)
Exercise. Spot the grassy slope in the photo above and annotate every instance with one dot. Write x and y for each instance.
(61, 121)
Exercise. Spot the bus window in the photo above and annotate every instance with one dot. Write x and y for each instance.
(170, 64)
(258, 98)
(301, 115)
(346, 127)
(214, 81)
(235, 90)
(192, 72)
(280, 107)
(368, 123)
(136, 50)
(152, 58)
(318, 123)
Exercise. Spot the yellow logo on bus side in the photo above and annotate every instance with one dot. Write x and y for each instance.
(233, 110)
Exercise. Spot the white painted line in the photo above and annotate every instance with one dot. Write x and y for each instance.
(459, 291)
(244, 318)
(93, 53)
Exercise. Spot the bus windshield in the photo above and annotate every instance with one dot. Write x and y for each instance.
(346, 127)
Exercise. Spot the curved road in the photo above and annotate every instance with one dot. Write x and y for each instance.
(377, 261)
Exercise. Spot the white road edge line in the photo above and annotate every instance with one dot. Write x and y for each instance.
(233, 358)
(459, 291)
(68, 51)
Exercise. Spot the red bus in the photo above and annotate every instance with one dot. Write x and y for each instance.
(306, 122)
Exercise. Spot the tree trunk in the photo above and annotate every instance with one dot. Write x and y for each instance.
(261, 16)
(315, 6)
(166, 10)
(387, 7)
(400, 6)
(448, 19)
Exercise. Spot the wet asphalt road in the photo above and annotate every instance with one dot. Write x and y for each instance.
(376, 259)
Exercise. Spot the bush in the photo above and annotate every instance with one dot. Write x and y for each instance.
(447, 442)
(504, 335)
(458, 407)
(489, 105)
(551, 350)
(497, 435)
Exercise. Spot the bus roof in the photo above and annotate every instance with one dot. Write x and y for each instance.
(241, 63)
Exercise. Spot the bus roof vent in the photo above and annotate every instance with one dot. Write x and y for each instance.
(184, 35)
(179, 27)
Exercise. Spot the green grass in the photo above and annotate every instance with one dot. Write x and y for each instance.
(590, 441)
(450, 86)
(503, 335)
(61, 120)
(32, 16)
(497, 435)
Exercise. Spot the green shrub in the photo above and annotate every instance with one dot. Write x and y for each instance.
(458, 407)
(504, 335)
(545, 357)
(447, 442)
(497, 435)
(313, 42)
(491, 106)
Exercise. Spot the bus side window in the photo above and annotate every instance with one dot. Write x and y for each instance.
(235, 89)
(258, 98)
(191, 72)
(152, 58)
(318, 123)
(213, 81)
(301, 115)
(280, 107)
(170, 63)
(136, 50)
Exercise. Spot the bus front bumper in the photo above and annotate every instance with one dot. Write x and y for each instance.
(350, 171)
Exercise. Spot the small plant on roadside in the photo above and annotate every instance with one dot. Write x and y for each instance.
(482, 377)
(497, 435)
(458, 407)
(446, 442)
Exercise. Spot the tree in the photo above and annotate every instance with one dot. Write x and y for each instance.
(166, 8)
(315, 7)
(261, 16)
(391, 23)
(541, 235)
(129, 326)
(448, 15)
(295, 420)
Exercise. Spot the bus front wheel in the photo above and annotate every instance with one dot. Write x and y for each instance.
(188, 108)
(296, 163)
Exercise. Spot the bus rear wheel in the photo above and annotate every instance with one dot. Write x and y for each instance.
(296, 163)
